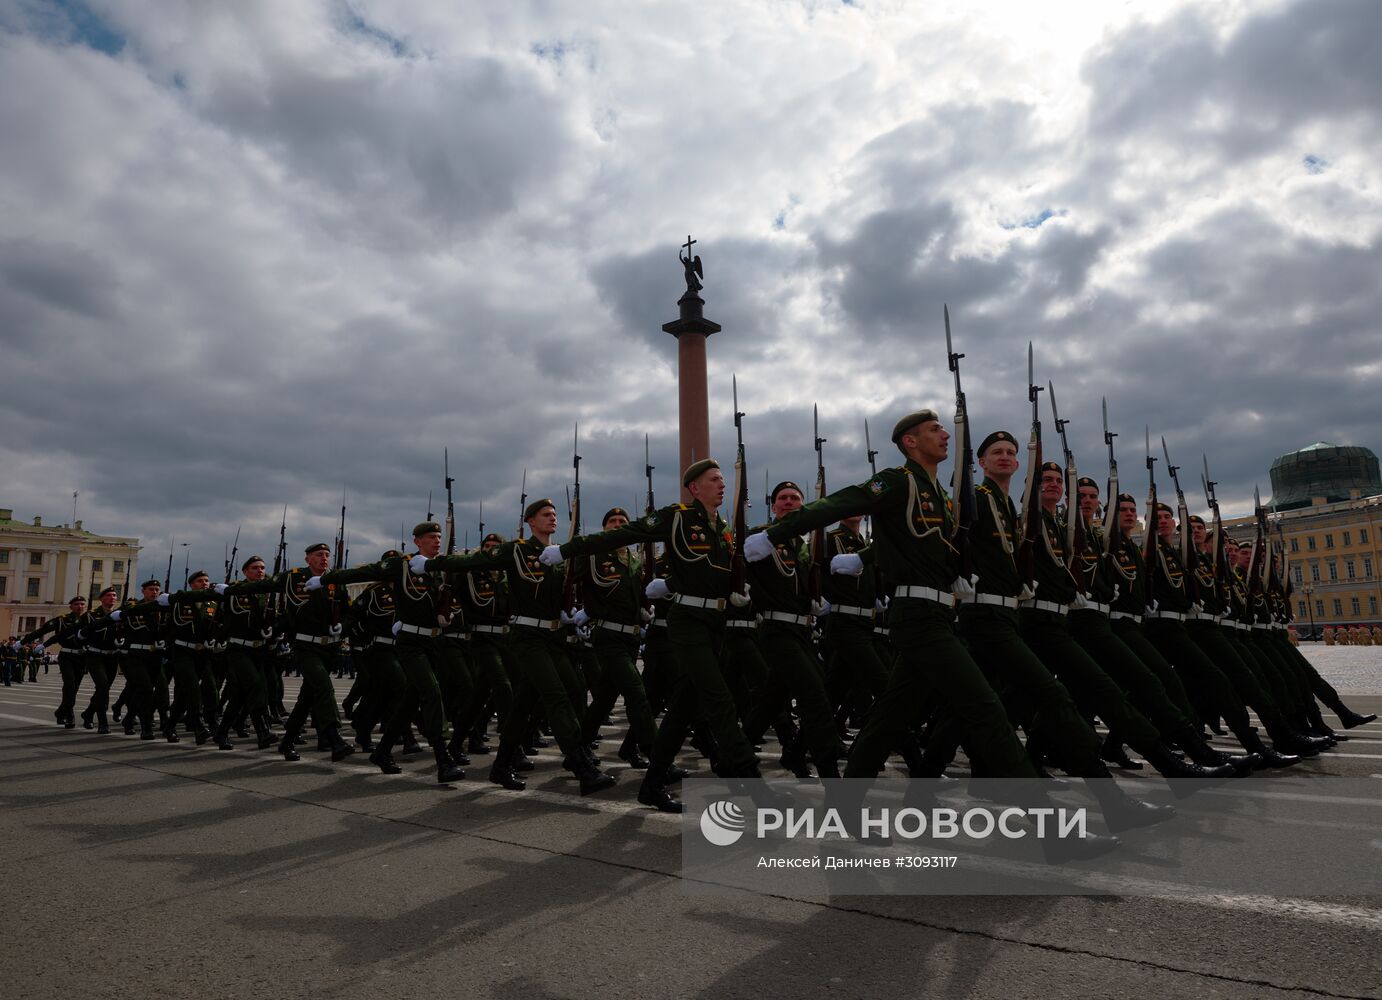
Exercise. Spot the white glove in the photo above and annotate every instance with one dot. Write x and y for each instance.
(1152, 606)
(397, 627)
(740, 599)
(581, 618)
(115, 615)
(334, 630)
(1080, 603)
(418, 564)
(315, 583)
(81, 636)
(880, 604)
(821, 608)
(566, 619)
(220, 588)
(1114, 599)
(266, 632)
(550, 555)
(758, 547)
(1197, 607)
(162, 599)
(160, 644)
(848, 564)
(121, 642)
(657, 589)
(963, 587)
(645, 615)
(1026, 593)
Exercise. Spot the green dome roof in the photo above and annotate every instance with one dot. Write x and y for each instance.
(1324, 470)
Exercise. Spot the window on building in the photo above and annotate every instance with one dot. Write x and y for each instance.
(4, 556)
(96, 565)
(1314, 572)
(1348, 539)
(1367, 567)
(119, 566)
(1295, 544)
(32, 589)
(1362, 536)
(1296, 573)
(1310, 543)
(1300, 609)
(1348, 570)
(1333, 571)
(1329, 541)
(1338, 607)
(1372, 605)
(1319, 608)
(1355, 607)
(4, 585)
(35, 558)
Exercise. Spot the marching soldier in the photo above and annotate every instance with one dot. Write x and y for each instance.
(70, 664)
(482, 599)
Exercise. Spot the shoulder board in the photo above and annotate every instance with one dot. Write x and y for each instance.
(981, 488)
(683, 506)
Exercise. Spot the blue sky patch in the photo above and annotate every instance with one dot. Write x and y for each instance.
(86, 28)
(1314, 164)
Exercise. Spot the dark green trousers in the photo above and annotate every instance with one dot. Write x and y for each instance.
(932, 665)
(855, 676)
(547, 679)
(188, 666)
(454, 674)
(1210, 638)
(1314, 683)
(619, 677)
(795, 673)
(1268, 672)
(657, 666)
(746, 672)
(1133, 636)
(494, 687)
(73, 668)
(1093, 631)
(696, 691)
(418, 661)
(101, 668)
(317, 696)
(1208, 687)
(139, 687)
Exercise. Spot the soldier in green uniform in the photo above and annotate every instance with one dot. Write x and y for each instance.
(310, 600)
(9, 659)
(547, 676)
(381, 682)
(70, 664)
(855, 674)
(142, 637)
(245, 632)
(98, 657)
(481, 596)
(783, 602)
(612, 586)
(698, 547)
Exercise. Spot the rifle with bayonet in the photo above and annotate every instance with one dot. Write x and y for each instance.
(168, 576)
(273, 607)
(1074, 520)
(338, 563)
(649, 509)
(230, 559)
(1113, 528)
(962, 478)
(1217, 563)
(1149, 549)
(522, 503)
(738, 569)
(1031, 489)
(568, 585)
(872, 454)
(1189, 555)
(815, 574)
(450, 504)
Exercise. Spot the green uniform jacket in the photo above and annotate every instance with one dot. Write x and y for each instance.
(612, 584)
(841, 588)
(1054, 582)
(371, 615)
(994, 540)
(699, 547)
(481, 596)
(308, 612)
(780, 582)
(912, 524)
(1168, 579)
(535, 590)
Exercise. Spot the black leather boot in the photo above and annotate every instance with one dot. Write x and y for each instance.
(1122, 811)
(287, 749)
(501, 774)
(653, 793)
(447, 769)
(1113, 753)
(592, 778)
(340, 749)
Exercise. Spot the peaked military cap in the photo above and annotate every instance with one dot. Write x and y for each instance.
(1196, 519)
(1166, 507)
(493, 536)
(1051, 467)
(79, 599)
(151, 583)
(198, 574)
(1127, 498)
(1086, 481)
(910, 421)
(390, 554)
(426, 528)
(250, 561)
(611, 512)
(112, 590)
(318, 547)
(993, 439)
(532, 509)
(696, 468)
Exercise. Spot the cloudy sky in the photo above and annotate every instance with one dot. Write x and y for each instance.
(259, 253)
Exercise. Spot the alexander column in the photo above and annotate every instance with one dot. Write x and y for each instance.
(691, 329)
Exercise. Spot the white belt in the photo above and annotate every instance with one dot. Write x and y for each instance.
(925, 594)
(850, 609)
(177, 642)
(717, 603)
(317, 640)
(996, 600)
(621, 629)
(140, 645)
(1175, 616)
(431, 633)
(1117, 615)
(783, 616)
(383, 640)
(490, 629)
(880, 630)
(248, 643)
(1094, 606)
(551, 624)
(1051, 606)
(1201, 616)
(741, 623)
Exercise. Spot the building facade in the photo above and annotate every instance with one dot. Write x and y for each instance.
(42, 567)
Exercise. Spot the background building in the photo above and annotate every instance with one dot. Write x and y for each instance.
(43, 567)
(1328, 504)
